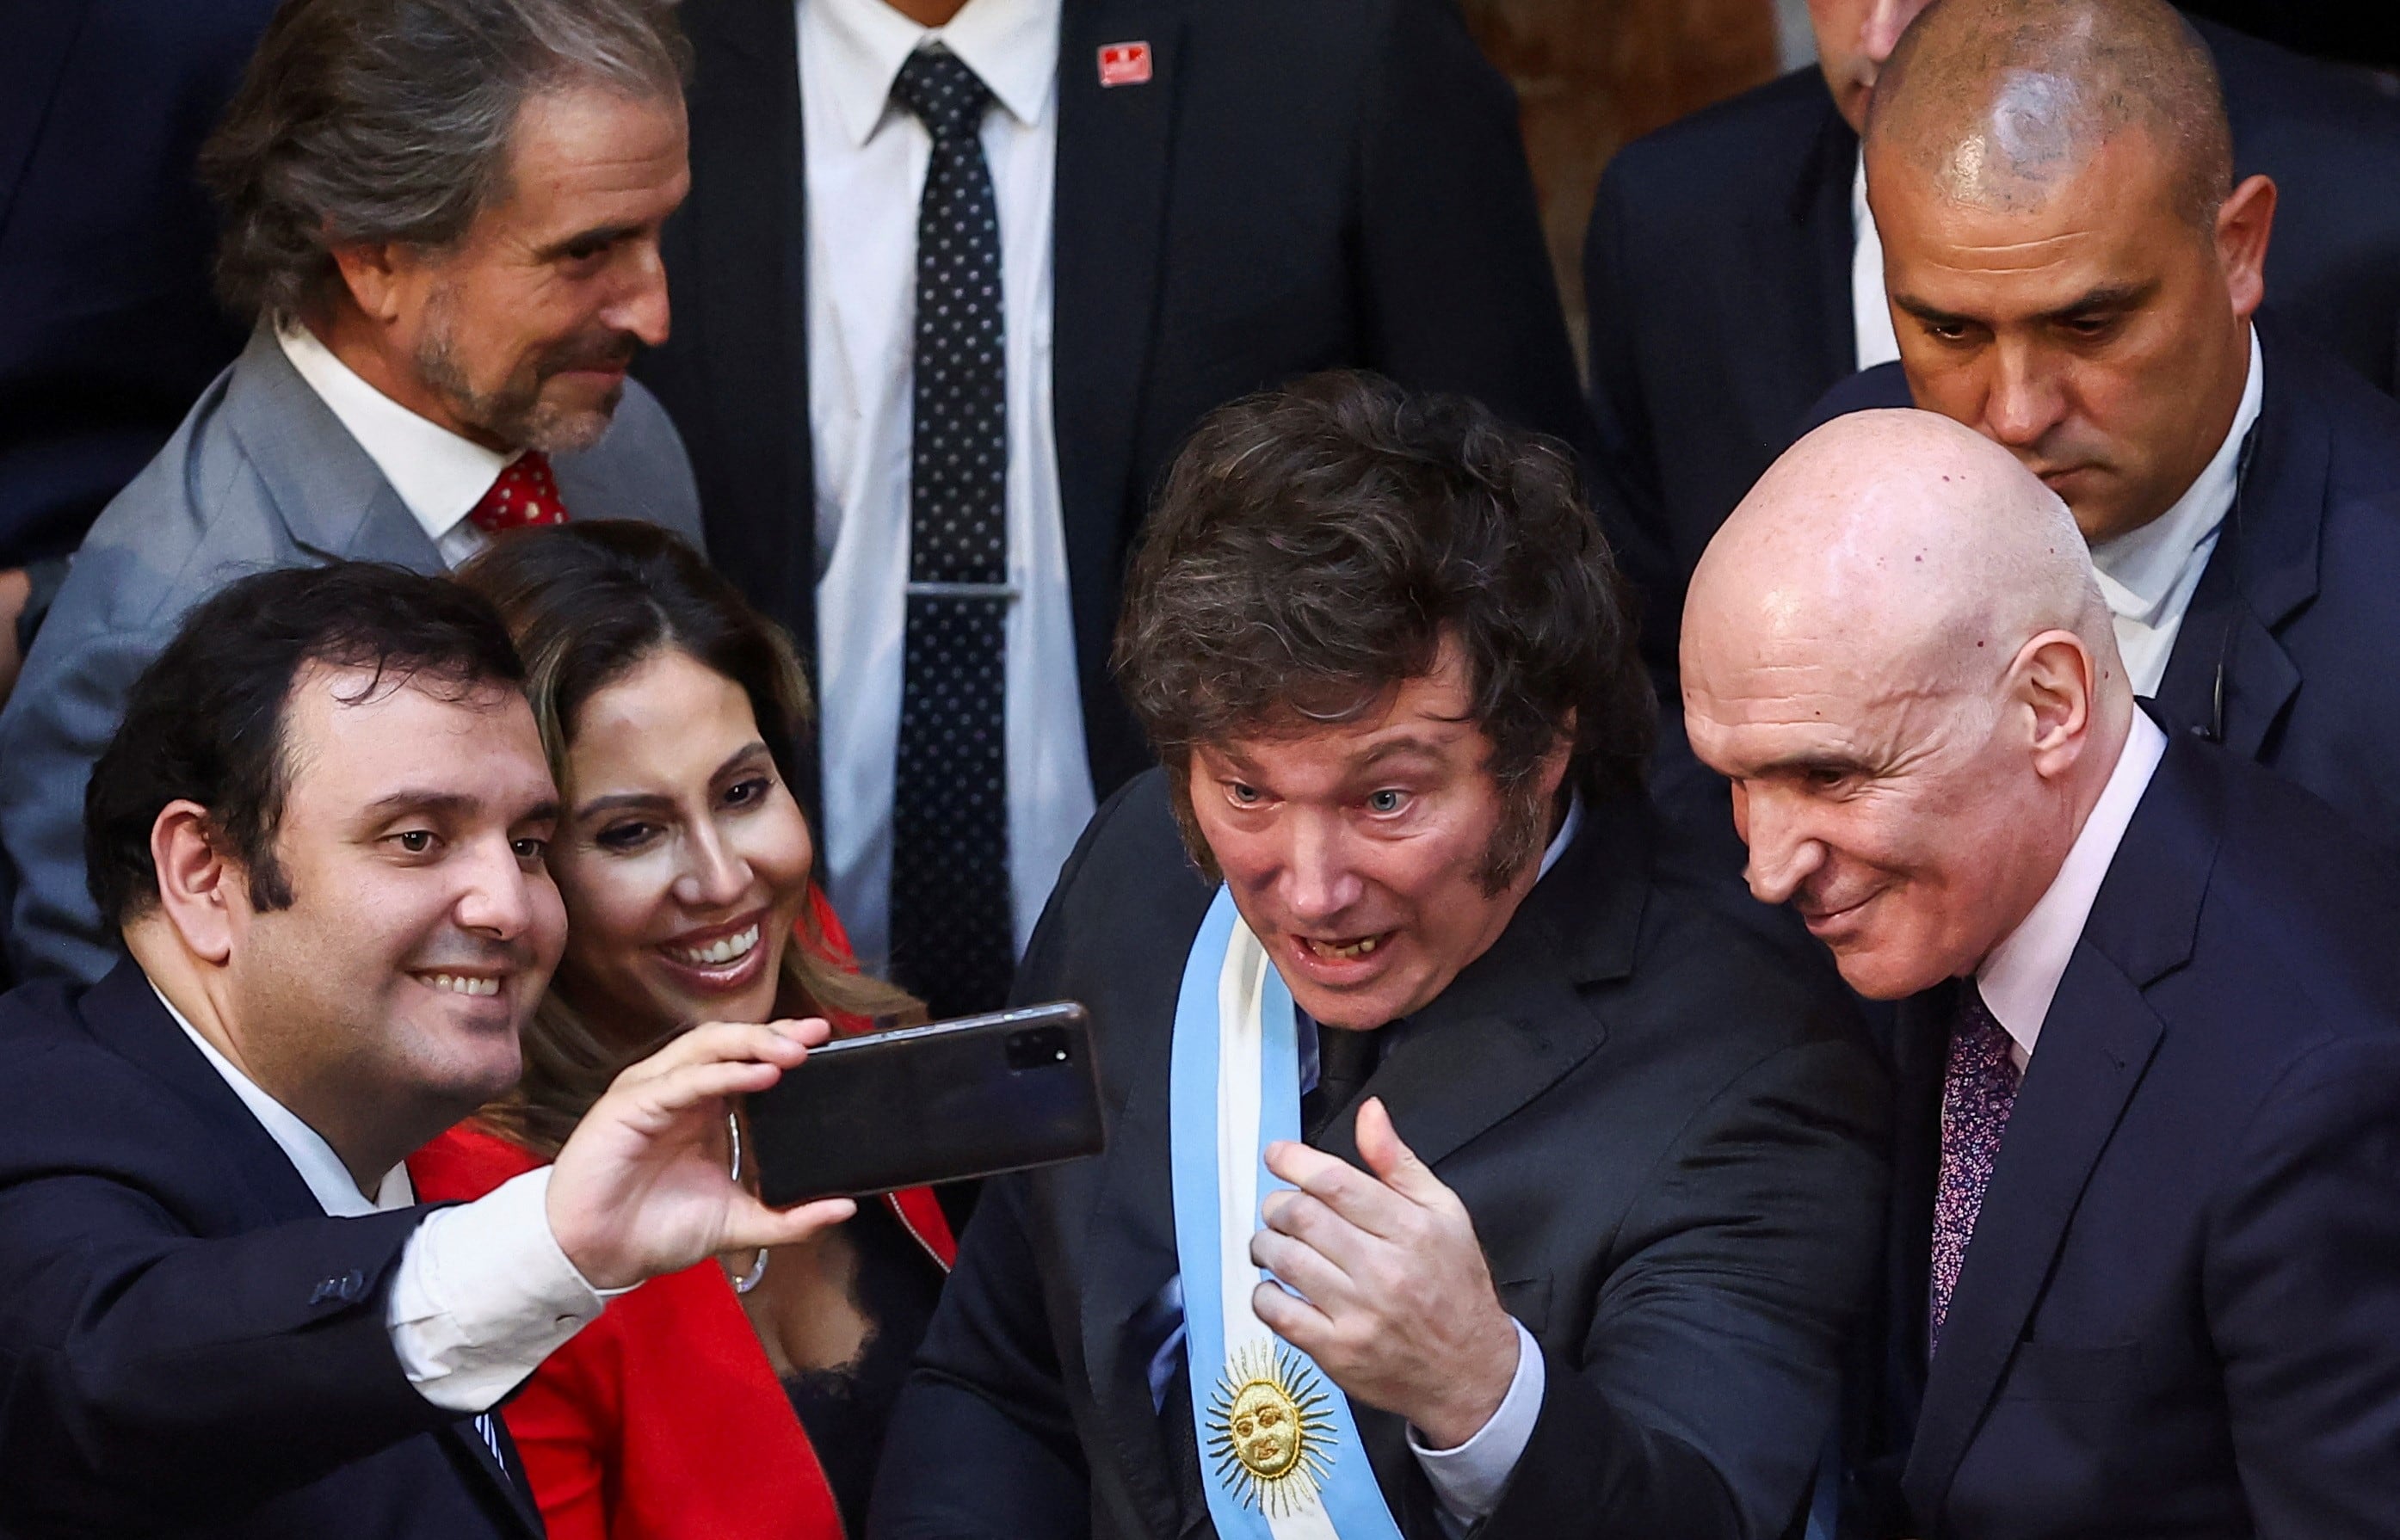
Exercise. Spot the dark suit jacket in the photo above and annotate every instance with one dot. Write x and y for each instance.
(1300, 184)
(1671, 1142)
(2287, 655)
(2180, 1312)
(1717, 274)
(188, 1345)
(109, 330)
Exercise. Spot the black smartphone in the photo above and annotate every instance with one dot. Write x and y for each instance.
(943, 1102)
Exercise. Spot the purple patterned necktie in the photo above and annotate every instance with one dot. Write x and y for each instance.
(1978, 1089)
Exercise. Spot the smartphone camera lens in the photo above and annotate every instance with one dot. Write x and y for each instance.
(1037, 1049)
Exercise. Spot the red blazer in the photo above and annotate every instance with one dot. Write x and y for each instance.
(663, 1420)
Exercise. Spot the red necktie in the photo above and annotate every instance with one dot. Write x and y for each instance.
(526, 494)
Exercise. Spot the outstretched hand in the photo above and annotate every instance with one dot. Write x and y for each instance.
(641, 1188)
(1395, 1301)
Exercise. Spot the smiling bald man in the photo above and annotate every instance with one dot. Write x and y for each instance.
(2144, 1284)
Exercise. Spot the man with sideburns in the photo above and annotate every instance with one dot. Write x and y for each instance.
(442, 220)
(319, 835)
(1469, 1164)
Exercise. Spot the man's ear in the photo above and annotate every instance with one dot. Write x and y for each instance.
(2244, 222)
(372, 272)
(2055, 680)
(198, 883)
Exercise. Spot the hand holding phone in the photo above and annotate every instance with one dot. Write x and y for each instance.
(943, 1102)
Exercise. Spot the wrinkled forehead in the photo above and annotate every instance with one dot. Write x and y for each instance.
(1771, 697)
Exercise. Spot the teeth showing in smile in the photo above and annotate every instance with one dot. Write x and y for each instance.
(460, 984)
(1347, 952)
(717, 952)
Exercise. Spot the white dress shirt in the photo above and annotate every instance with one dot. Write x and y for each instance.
(2020, 977)
(439, 475)
(2147, 576)
(483, 1295)
(866, 162)
(2150, 575)
(1870, 313)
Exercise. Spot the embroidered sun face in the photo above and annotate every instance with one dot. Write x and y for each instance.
(1269, 1433)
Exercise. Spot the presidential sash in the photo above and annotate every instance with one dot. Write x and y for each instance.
(1279, 1452)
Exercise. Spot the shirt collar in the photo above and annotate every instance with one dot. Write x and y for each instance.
(439, 475)
(2020, 977)
(1565, 836)
(1011, 45)
(327, 1177)
(2140, 569)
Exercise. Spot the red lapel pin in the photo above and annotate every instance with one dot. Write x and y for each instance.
(1124, 64)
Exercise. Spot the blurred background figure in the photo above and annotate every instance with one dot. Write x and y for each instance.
(443, 221)
(2074, 270)
(930, 461)
(673, 714)
(110, 329)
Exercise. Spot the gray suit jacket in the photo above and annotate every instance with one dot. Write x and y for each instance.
(260, 475)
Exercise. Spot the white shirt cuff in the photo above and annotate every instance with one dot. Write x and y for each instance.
(1468, 1480)
(484, 1295)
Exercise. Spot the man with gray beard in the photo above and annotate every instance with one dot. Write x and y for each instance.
(443, 221)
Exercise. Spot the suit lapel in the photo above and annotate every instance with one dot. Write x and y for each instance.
(2096, 1044)
(1115, 167)
(332, 500)
(1514, 1021)
(125, 1013)
(2229, 675)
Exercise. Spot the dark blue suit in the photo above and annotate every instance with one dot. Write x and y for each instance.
(2179, 1315)
(1717, 277)
(2290, 653)
(108, 330)
(188, 1345)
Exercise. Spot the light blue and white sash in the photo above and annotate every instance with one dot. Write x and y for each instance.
(1279, 1452)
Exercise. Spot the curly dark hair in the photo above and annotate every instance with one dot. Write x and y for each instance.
(1315, 546)
(376, 120)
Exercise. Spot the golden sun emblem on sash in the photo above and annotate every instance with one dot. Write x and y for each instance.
(1269, 1433)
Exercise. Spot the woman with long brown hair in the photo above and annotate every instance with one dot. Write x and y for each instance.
(748, 1395)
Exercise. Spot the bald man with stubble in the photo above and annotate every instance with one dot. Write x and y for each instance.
(2076, 273)
(2143, 1257)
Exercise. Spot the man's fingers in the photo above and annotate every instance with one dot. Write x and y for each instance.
(751, 1223)
(784, 1043)
(1293, 1318)
(1341, 1187)
(1302, 1267)
(1394, 1163)
(676, 1092)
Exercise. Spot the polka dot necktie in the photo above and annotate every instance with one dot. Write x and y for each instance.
(1979, 1089)
(526, 494)
(953, 940)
